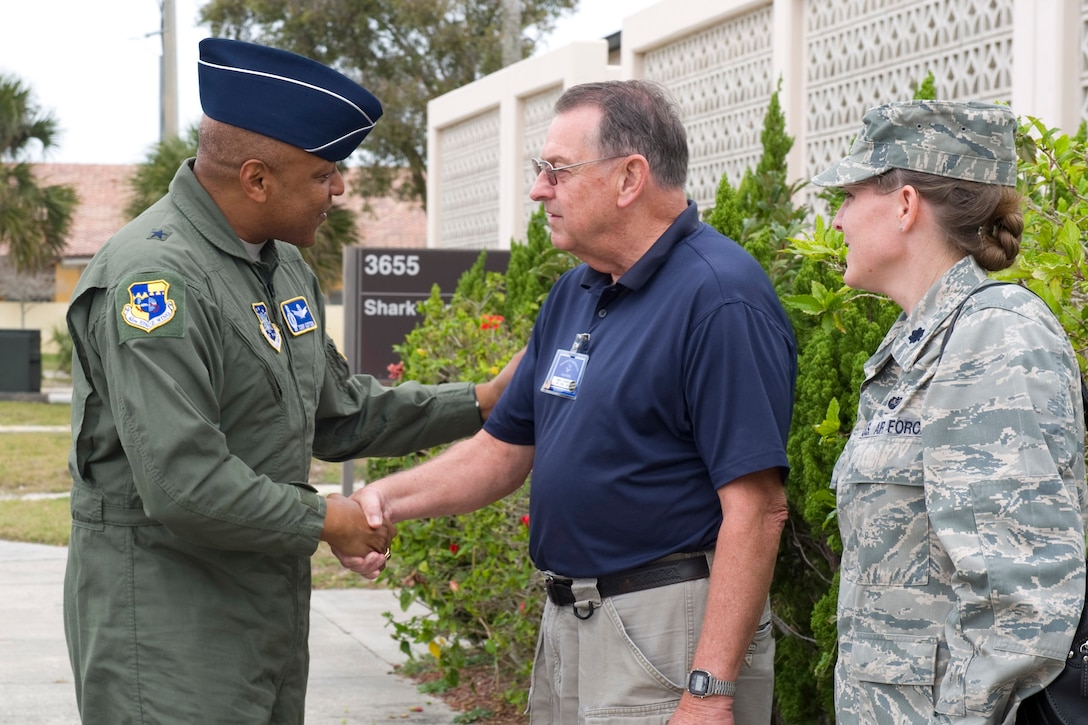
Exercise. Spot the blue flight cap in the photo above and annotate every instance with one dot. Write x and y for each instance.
(284, 96)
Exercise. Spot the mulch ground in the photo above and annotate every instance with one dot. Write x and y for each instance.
(480, 690)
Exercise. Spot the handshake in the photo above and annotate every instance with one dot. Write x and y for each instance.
(358, 532)
(467, 476)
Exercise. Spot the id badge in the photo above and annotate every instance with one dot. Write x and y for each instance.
(568, 367)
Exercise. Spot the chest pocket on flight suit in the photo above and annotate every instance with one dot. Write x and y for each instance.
(881, 497)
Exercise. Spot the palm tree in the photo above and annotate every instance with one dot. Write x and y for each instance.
(152, 180)
(34, 218)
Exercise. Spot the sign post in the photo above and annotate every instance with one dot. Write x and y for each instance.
(382, 291)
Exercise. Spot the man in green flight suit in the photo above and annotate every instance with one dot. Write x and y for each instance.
(204, 384)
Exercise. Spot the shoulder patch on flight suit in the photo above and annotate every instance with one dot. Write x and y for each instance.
(151, 305)
(298, 316)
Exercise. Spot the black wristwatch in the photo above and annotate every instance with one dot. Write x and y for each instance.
(703, 684)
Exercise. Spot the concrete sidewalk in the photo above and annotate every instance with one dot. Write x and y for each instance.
(351, 651)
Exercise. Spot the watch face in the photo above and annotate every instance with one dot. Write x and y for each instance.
(699, 682)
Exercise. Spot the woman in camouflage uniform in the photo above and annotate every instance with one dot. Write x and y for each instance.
(961, 492)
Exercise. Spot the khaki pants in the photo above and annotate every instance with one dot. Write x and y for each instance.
(627, 663)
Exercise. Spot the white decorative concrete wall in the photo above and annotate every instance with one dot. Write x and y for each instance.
(722, 59)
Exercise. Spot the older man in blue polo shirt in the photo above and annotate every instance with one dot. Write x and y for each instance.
(652, 406)
(204, 384)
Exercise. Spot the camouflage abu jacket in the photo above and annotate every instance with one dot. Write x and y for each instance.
(961, 502)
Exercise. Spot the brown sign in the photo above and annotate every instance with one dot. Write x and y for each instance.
(382, 291)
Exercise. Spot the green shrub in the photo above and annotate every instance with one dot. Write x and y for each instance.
(1053, 175)
(62, 341)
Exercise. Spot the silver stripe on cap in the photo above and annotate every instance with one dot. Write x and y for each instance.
(297, 83)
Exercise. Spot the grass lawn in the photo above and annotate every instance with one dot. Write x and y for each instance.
(39, 521)
(34, 462)
(37, 463)
(16, 413)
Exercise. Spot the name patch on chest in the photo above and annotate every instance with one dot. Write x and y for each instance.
(892, 426)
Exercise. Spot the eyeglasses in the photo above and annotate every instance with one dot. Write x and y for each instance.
(540, 165)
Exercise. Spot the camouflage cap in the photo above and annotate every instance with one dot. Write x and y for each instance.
(968, 141)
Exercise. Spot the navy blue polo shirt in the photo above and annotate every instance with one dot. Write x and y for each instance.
(688, 386)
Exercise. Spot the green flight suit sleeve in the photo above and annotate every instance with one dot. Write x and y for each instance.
(1004, 478)
(358, 417)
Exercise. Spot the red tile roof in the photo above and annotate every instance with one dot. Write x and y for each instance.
(104, 193)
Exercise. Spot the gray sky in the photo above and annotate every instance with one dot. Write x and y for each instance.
(95, 66)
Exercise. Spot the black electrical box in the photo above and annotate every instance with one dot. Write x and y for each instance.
(20, 361)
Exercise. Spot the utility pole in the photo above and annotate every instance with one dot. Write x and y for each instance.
(168, 73)
(511, 32)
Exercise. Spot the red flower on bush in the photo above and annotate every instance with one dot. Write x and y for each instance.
(454, 548)
(491, 322)
(525, 520)
(395, 370)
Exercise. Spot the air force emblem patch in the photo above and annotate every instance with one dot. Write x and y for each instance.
(297, 315)
(149, 306)
(269, 330)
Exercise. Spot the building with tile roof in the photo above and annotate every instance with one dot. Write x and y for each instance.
(103, 191)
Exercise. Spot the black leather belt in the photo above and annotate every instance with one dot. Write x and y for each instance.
(657, 574)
